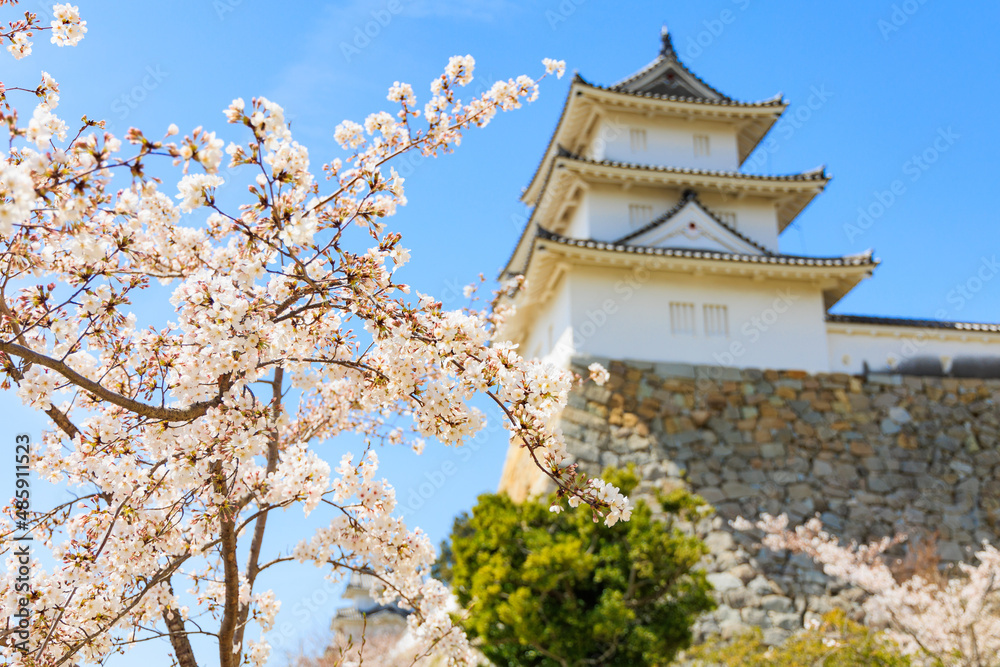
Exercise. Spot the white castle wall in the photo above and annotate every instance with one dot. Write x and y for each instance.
(604, 212)
(669, 142)
(610, 312)
(911, 350)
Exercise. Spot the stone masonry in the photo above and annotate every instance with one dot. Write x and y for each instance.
(872, 456)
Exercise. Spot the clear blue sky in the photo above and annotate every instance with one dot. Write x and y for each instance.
(872, 83)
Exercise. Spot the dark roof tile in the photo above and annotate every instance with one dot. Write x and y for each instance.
(818, 174)
(971, 327)
(864, 259)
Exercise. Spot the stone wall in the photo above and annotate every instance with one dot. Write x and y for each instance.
(873, 456)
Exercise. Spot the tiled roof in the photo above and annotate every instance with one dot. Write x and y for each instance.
(974, 327)
(864, 259)
(775, 101)
(818, 174)
(690, 196)
(669, 54)
(358, 614)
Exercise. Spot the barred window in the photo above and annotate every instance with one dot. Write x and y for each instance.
(728, 217)
(716, 321)
(681, 318)
(701, 145)
(639, 215)
(637, 139)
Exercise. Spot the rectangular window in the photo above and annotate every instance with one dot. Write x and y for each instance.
(728, 217)
(681, 318)
(716, 321)
(639, 215)
(637, 139)
(701, 145)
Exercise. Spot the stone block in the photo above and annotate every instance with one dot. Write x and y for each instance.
(950, 551)
(885, 379)
(740, 598)
(800, 491)
(772, 450)
(713, 495)
(723, 581)
(777, 603)
(586, 452)
(900, 415)
(775, 636)
(719, 541)
(610, 459)
(822, 468)
(737, 490)
(671, 370)
(763, 587)
(756, 617)
(961, 467)
(889, 427)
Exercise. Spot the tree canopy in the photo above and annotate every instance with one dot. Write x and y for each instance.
(182, 430)
(544, 588)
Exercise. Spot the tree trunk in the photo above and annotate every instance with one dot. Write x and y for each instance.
(178, 636)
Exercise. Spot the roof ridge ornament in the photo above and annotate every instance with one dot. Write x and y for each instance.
(667, 47)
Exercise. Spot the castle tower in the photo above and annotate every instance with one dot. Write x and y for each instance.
(647, 241)
(649, 249)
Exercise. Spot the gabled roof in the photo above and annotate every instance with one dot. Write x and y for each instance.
(836, 275)
(792, 192)
(690, 198)
(777, 100)
(667, 75)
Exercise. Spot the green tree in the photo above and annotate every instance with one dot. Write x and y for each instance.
(836, 642)
(545, 589)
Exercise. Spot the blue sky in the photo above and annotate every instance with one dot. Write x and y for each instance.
(888, 95)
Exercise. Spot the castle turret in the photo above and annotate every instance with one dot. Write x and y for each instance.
(646, 241)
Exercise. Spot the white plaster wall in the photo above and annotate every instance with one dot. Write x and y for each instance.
(550, 335)
(579, 222)
(606, 208)
(624, 314)
(885, 347)
(756, 217)
(669, 142)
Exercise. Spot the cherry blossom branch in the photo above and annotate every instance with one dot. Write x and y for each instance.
(151, 411)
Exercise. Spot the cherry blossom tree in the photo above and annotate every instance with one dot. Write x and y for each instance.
(288, 327)
(955, 619)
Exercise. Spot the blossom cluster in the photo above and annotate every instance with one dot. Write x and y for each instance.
(179, 439)
(67, 29)
(954, 620)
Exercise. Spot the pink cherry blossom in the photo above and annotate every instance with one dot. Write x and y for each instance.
(953, 619)
(182, 439)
